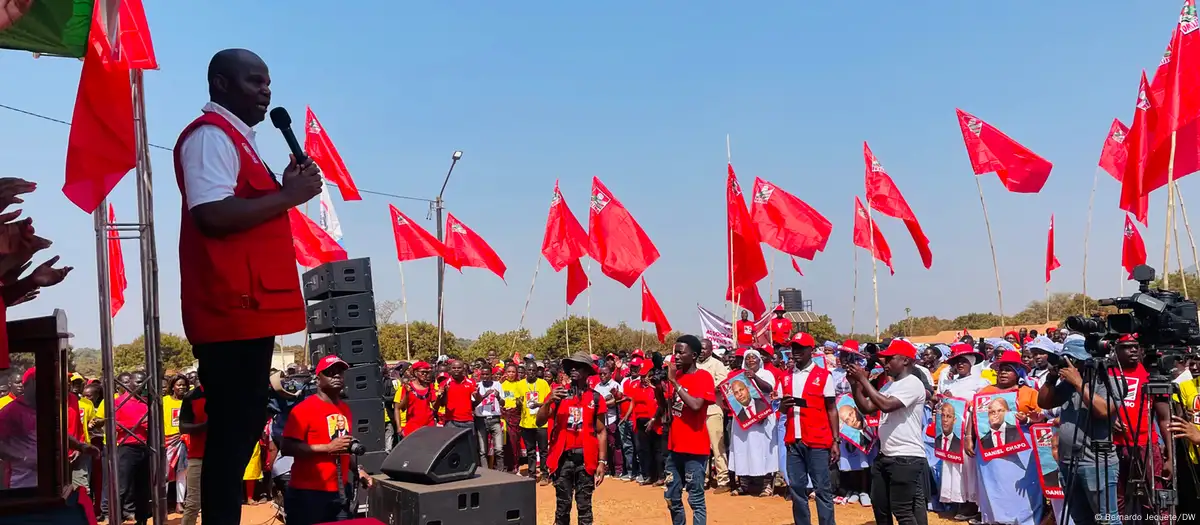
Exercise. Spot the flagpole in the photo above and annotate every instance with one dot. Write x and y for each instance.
(521, 323)
(854, 298)
(733, 305)
(1170, 215)
(642, 338)
(1048, 302)
(874, 268)
(404, 307)
(1179, 261)
(771, 279)
(1188, 226)
(567, 325)
(589, 305)
(995, 266)
(1086, 235)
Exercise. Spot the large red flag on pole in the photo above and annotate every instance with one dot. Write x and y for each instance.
(412, 241)
(1133, 249)
(617, 241)
(884, 197)
(652, 313)
(787, 223)
(746, 263)
(318, 145)
(1113, 159)
(117, 284)
(313, 245)
(865, 231)
(1137, 144)
(565, 241)
(1051, 260)
(467, 248)
(990, 150)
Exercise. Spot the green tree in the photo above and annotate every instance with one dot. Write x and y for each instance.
(862, 338)
(175, 353)
(423, 340)
(296, 350)
(503, 344)
(1189, 278)
(554, 343)
(87, 361)
(822, 330)
(975, 321)
(915, 326)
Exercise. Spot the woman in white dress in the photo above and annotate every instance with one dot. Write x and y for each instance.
(753, 452)
(962, 380)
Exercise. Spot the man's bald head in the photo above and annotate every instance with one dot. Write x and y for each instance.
(240, 82)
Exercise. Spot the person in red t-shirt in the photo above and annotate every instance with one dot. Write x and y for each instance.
(577, 440)
(649, 442)
(193, 424)
(1131, 432)
(745, 330)
(317, 435)
(457, 397)
(687, 439)
(781, 328)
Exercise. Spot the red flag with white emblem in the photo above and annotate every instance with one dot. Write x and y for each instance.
(787, 223)
(652, 313)
(467, 248)
(1019, 168)
(313, 246)
(1133, 249)
(868, 236)
(884, 197)
(412, 241)
(1113, 159)
(565, 241)
(617, 241)
(320, 148)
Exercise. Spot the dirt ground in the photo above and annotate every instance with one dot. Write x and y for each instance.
(624, 503)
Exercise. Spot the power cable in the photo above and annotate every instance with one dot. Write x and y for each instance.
(165, 148)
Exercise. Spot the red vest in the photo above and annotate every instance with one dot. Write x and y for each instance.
(588, 402)
(243, 285)
(813, 418)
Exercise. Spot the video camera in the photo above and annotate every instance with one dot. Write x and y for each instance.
(1166, 325)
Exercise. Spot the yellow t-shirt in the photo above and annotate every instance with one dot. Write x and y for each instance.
(510, 392)
(171, 408)
(396, 401)
(87, 410)
(5, 400)
(989, 374)
(526, 392)
(1188, 398)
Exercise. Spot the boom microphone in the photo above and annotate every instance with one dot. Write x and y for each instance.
(283, 121)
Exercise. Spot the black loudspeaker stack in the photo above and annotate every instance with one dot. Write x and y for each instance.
(341, 322)
(435, 479)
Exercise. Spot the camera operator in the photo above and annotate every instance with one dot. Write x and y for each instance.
(1133, 429)
(1089, 478)
(318, 436)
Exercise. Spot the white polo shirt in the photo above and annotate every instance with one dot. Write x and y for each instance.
(211, 161)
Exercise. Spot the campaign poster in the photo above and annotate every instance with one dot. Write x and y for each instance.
(853, 426)
(949, 418)
(1046, 450)
(744, 399)
(996, 425)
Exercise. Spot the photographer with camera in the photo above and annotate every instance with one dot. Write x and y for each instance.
(1133, 435)
(318, 436)
(1089, 477)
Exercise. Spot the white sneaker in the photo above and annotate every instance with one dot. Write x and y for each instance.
(853, 498)
(864, 499)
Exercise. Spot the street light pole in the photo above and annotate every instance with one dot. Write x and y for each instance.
(438, 206)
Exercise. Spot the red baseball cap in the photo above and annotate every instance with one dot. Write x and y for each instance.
(1010, 357)
(29, 375)
(331, 360)
(900, 347)
(421, 365)
(803, 339)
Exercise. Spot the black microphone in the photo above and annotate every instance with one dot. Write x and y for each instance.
(283, 121)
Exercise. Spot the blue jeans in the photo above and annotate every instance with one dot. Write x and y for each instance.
(686, 471)
(805, 463)
(628, 452)
(1091, 492)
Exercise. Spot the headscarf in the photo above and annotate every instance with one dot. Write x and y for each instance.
(762, 372)
(944, 349)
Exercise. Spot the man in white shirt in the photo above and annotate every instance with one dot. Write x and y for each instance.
(611, 392)
(489, 397)
(715, 421)
(898, 473)
(238, 285)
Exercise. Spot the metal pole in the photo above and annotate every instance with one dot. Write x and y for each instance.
(150, 317)
(109, 475)
(438, 206)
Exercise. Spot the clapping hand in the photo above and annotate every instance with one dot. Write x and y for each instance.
(46, 275)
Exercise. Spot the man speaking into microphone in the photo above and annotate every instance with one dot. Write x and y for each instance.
(237, 267)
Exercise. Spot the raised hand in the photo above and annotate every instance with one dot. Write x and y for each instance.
(10, 190)
(11, 11)
(46, 275)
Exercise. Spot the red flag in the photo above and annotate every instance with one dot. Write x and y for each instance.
(116, 267)
(1113, 159)
(412, 241)
(651, 313)
(467, 248)
(1020, 169)
(746, 264)
(617, 242)
(101, 147)
(885, 197)
(577, 280)
(1051, 261)
(1137, 144)
(1176, 88)
(1133, 250)
(318, 146)
(863, 230)
(564, 241)
(787, 223)
(313, 245)
(796, 267)
(137, 50)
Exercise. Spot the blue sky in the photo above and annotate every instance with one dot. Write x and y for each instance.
(642, 95)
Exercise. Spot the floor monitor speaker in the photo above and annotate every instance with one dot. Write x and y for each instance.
(433, 455)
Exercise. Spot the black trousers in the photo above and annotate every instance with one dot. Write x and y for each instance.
(649, 450)
(235, 375)
(572, 480)
(898, 489)
(133, 469)
(535, 439)
(306, 507)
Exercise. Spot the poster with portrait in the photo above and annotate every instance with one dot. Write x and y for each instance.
(949, 418)
(996, 425)
(853, 426)
(744, 399)
(1046, 450)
